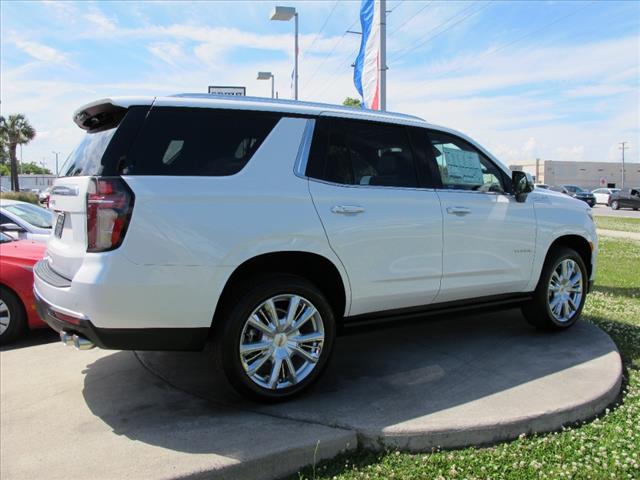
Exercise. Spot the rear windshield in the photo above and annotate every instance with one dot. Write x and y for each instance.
(86, 159)
(198, 141)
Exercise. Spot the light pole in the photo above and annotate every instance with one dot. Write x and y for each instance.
(286, 14)
(56, 154)
(267, 76)
(623, 147)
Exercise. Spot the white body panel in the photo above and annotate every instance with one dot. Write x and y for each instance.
(489, 244)
(392, 249)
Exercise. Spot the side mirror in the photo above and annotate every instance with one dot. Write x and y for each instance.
(521, 184)
(11, 227)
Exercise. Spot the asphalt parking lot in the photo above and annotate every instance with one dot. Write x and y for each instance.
(608, 212)
(472, 380)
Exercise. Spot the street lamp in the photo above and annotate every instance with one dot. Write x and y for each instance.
(286, 14)
(56, 154)
(268, 76)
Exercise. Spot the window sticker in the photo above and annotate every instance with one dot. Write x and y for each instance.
(462, 167)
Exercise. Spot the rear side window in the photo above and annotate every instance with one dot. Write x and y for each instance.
(362, 153)
(198, 141)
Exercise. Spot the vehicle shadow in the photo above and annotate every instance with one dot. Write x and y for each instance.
(32, 338)
(377, 379)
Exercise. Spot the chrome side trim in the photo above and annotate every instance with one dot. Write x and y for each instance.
(385, 187)
(56, 308)
(300, 166)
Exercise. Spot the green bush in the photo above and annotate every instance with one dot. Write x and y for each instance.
(22, 196)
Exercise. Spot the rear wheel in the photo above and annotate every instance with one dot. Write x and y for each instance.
(275, 337)
(561, 291)
(12, 316)
(615, 205)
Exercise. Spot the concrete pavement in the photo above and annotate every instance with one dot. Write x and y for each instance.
(606, 211)
(471, 380)
(618, 234)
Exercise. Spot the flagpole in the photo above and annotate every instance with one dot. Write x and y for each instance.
(383, 54)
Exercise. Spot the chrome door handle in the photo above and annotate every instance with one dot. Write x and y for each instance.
(347, 209)
(460, 211)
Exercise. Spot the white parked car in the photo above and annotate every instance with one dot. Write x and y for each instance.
(266, 225)
(23, 220)
(602, 194)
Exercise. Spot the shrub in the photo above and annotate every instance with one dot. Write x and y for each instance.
(22, 196)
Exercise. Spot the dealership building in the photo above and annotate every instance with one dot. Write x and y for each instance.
(589, 175)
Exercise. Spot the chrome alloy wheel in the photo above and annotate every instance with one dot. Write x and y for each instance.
(565, 290)
(281, 341)
(5, 317)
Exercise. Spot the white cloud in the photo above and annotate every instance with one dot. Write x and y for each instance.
(101, 23)
(39, 51)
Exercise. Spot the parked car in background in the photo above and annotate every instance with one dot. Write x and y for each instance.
(626, 198)
(17, 305)
(542, 185)
(25, 221)
(43, 196)
(576, 192)
(602, 194)
(267, 225)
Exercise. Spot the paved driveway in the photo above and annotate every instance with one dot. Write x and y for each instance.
(465, 380)
(608, 212)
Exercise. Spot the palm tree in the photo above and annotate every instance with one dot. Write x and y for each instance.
(15, 130)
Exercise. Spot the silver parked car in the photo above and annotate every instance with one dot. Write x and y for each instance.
(22, 220)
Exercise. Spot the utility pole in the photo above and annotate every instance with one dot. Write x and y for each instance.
(383, 54)
(538, 170)
(623, 147)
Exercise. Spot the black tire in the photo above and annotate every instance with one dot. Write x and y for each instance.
(17, 322)
(537, 312)
(229, 325)
(615, 205)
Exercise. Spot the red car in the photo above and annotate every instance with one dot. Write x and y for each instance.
(17, 306)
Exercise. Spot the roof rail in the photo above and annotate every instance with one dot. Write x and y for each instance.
(293, 103)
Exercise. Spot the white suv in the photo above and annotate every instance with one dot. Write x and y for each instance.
(266, 226)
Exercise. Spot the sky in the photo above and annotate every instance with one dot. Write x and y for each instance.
(527, 79)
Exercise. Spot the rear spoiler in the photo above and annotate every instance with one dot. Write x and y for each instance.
(104, 114)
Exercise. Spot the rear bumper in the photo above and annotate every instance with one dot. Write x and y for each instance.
(61, 319)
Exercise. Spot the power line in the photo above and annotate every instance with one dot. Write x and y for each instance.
(324, 59)
(396, 6)
(413, 17)
(526, 35)
(406, 52)
(320, 31)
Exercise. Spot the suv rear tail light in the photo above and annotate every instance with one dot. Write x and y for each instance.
(109, 207)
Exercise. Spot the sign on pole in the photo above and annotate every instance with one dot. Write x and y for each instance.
(227, 90)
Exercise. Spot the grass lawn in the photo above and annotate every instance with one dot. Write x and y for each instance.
(618, 223)
(607, 447)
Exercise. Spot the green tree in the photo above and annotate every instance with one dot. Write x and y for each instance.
(15, 130)
(34, 169)
(4, 148)
(352, 102)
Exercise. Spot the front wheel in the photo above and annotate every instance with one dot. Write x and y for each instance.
(615, 205)
(561, 291)
(276, 337)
